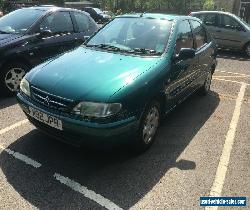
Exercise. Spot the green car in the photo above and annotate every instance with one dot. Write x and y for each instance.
(122, 81)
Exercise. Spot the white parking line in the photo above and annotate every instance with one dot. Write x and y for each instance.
(233, 76)
(21, 157)
(228, 72)
(18, 124)
(86, 192)
(226, 80)
(228, 145)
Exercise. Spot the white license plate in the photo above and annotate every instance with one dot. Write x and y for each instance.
(46, 119)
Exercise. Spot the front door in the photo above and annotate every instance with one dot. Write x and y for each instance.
(180, 80)
(61, 38)
(232, 32)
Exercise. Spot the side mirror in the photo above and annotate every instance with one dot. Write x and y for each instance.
(186, 53)
(239, 28)
(45, 33)
(86, 38)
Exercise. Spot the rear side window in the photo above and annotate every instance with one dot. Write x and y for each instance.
(210, 19)
(58, 22)
(184, 37)
(199, 34)
(82, 22)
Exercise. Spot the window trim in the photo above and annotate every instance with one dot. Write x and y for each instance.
(206, 43)
(52, 13)
(235, 20)
(75, 22)
(187, 20)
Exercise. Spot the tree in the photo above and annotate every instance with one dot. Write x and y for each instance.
(208, 5)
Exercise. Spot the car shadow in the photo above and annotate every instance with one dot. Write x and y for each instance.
(6, 102)
(232, 55)
(120, 175)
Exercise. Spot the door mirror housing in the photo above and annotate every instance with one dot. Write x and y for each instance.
(45, 33)
(186, 53)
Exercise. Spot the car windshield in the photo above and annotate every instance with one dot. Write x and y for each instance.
(19, 21)
(133, 35)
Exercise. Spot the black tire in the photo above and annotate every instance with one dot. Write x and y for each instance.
(205, 89)
(247, 49)
(9, 83)
(142, 143)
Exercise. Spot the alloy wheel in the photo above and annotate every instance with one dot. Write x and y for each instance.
(13, 78)
(151, 124)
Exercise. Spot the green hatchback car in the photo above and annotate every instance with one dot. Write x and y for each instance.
(122, 81)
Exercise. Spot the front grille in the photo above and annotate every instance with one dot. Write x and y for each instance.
(51, 101)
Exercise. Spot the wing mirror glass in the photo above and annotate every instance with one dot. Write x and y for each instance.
(45, 33)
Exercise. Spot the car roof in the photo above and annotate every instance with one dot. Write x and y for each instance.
(169, 17)
(218, 12)
(51, 8)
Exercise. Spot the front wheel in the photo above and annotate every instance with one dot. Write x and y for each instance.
(148, 127)
(11, 77)
(247, 49)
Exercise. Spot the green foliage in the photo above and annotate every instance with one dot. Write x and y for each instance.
(208, 5)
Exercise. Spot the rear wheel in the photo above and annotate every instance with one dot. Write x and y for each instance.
(11, 77)
(148, 127)
(207, 84)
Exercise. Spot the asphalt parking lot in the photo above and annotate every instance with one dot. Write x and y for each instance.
(202, 149)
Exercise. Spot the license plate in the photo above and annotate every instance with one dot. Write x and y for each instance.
(46, 119)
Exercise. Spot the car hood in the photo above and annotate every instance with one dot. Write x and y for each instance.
(88, 74)
(5, 38)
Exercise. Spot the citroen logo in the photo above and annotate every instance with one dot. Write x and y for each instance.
(47, 101)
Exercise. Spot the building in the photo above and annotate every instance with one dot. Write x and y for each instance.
(79, 5)
(242, 9)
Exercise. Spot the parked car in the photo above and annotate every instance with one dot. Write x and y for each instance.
(98, 15)
(228, 30)
(122, 81)
(32, 35)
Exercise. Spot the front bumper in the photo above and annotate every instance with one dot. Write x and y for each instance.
(77, 132)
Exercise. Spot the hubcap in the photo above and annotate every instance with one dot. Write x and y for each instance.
(13, 78)
(208, 81)
(151, 124)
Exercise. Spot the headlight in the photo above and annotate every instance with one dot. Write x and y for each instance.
(98, 110)
(25, 87)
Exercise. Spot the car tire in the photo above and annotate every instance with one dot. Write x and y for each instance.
(205, 89)
(149, 125)
(11, 77)
(247, 49)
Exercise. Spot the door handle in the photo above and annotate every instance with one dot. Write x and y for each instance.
(218, 31)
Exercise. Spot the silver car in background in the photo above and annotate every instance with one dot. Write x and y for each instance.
(228, 30)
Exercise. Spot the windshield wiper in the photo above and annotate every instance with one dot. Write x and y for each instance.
(145, 51)
(107, 47)
(3, 32)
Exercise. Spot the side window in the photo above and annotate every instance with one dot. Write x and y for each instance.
(229, 23)
(211, 20)
(199, 34)
(184, 37)
(58, 22)
(82, 22)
